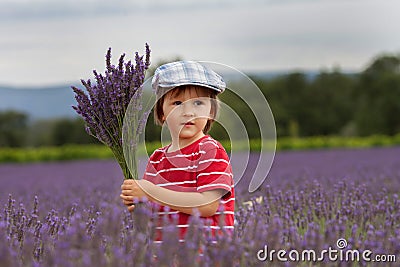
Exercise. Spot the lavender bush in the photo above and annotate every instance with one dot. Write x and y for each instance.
(56, 217)
(104, 106)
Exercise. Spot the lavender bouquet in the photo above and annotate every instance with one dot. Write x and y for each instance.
(104, 106)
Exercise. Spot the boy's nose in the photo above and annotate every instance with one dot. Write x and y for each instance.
(187, 109)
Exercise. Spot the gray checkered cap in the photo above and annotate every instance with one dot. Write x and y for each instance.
(180, 73)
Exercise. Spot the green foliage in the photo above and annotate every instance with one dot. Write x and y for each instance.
(242, 109)
(335, 103)
(16, 131)
(327, 142)
(77, 152)
(13, 125)
(66, 152)
(308, 107)
(378, 94)
(152, 131)
(70, 131)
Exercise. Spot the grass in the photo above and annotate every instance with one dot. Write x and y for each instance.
(75, 152)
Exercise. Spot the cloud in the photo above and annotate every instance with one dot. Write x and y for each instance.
(35, 9)
(47, 9)
(50, 9)
(69, 38)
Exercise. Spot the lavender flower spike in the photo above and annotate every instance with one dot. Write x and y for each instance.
(104, 104)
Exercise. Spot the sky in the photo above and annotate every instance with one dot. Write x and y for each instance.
(49, 42)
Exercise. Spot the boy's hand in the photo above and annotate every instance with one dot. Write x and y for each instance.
(132, 191)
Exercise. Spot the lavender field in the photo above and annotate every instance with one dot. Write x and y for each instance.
(70, 214)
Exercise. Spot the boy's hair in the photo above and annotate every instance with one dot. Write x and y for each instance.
(161, 94)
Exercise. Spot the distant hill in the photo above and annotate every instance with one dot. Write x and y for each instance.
(57, 101)
(38, 103)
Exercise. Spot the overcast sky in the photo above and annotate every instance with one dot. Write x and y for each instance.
(47, 42)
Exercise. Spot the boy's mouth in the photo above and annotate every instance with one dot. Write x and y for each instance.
(188, 123)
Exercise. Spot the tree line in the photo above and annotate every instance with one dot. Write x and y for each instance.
(331, 102)
(16, 130)
(336, 103)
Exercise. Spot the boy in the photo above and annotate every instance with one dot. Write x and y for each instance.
(192, 174)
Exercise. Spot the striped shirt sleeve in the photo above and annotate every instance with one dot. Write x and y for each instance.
(214, 171)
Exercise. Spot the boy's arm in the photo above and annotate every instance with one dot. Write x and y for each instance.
(206, 203)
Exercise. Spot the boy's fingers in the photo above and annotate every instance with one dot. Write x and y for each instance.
(125, 192)
(127, 203)
(125, 197)
(131, 208)
(124, 186)
(129, 182)
(127, 186)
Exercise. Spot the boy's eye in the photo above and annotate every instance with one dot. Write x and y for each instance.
(176, 103)
(198, 102)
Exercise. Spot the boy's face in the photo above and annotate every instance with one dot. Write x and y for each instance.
(187, 112)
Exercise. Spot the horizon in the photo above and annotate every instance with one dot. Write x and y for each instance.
(263, 74)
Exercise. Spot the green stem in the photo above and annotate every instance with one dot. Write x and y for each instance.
(122, 163)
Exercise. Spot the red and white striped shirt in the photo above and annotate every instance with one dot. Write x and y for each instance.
(201, 166)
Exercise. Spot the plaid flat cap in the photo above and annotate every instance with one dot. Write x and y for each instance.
(180, 73)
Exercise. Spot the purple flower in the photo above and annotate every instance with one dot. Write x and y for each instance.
(104, 104)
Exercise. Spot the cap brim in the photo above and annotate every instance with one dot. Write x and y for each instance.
(171, 86)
